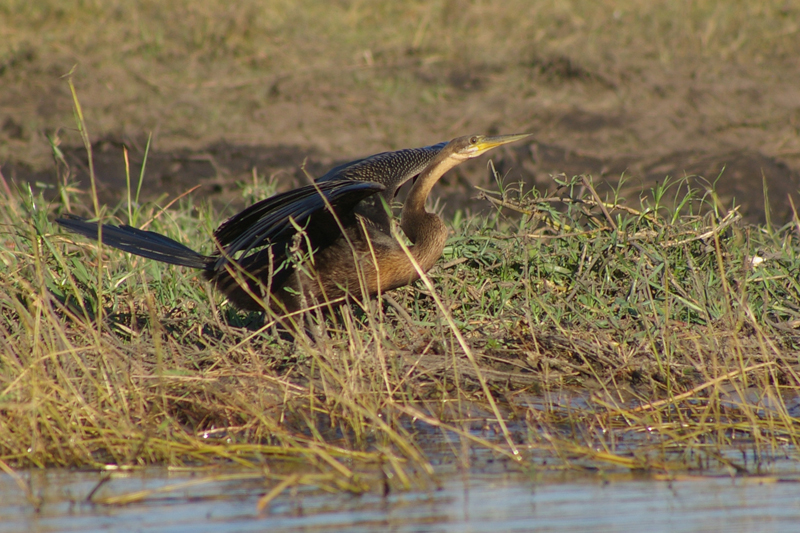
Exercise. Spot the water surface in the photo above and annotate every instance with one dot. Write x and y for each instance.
(465, 502)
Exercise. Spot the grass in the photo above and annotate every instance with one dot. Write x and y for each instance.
(656, 334)
(676, 324)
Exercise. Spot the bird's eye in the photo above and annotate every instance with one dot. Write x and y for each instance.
(473, 139)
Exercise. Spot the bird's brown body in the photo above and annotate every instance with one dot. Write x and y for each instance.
(366, 263)
(321, 243)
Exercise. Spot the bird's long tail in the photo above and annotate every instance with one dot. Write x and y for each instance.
(147, 244)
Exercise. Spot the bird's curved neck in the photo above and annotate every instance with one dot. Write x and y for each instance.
(413, 216)
(425, 230)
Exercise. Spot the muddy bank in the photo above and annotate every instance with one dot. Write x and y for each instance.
(739, 177)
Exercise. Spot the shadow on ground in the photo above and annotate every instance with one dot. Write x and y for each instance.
(221, 168)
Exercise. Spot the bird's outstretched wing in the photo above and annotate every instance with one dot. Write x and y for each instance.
(269, 222)
(390, 169)
(266, 223)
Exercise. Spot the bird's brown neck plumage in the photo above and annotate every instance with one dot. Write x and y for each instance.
(426, 230)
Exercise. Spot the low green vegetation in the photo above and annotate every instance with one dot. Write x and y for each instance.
(675, 325)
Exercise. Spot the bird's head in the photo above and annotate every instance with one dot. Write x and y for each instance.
(464, 148)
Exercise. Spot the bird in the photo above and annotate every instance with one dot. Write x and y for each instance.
(323, 243)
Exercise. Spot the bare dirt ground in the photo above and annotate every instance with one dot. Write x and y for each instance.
(717, 98)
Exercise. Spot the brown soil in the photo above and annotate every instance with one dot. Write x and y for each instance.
(221, 166)
(733, 123)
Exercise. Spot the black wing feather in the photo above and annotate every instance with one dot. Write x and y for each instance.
(269, 222)
(391, 169)
(266, 223)
(144, 243)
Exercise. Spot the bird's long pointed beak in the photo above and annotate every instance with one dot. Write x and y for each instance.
(489, 142)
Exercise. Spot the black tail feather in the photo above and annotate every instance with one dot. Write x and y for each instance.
(147, 244)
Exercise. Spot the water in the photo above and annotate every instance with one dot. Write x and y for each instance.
(476, 492)
(468, 503)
